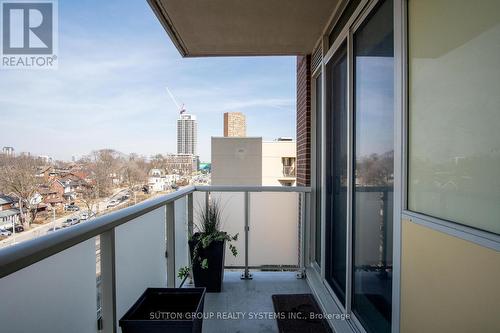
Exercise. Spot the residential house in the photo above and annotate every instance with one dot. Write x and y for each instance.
(52, 195)
(9, 214)
(158, 181)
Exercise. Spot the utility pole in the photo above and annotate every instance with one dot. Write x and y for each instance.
(53, 218)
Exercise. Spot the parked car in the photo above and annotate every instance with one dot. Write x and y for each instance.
(72, 208)
(112, 203)
(18, 228)
(124, 198)
(4, 232)
(69, 222)
(53, 229)
(84, 216)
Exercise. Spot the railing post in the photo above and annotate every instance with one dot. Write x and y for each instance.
(170, 253)
(207, 200)
(108, 282)
(190, 212)
(246, 274)
(302, 235)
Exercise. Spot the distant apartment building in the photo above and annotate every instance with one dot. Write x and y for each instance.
(252, 161)
(46, 159)
(182, 164)
(187, 133)
(235, 124)
(9, 151)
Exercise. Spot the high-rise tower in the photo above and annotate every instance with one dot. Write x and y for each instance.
(235, 124)
(187, 133)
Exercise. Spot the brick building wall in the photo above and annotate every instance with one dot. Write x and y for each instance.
(235, 124)
(304, 120)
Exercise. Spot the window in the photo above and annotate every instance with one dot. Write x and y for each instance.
(454, 111)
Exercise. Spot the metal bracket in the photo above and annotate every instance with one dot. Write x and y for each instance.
(246, 275)
(301, 274)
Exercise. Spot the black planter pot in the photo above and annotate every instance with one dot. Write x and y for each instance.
(161, 310)
(211, 277)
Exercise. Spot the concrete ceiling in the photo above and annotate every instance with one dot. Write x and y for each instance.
(243, 27)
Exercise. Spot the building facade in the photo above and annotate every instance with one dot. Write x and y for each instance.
(252, 161)
(187, 134)
(159, 181)
(9, 151)
(182, 164)
(235, 124)
(9, 214)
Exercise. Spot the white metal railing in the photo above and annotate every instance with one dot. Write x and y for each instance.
(50, 282)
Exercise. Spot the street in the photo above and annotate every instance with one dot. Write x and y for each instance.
(41, 230)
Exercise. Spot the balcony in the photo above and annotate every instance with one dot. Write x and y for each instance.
(289, 171)
(84, 278)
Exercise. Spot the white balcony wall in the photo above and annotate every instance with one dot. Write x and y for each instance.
(140, 262)
(181, 236)
(56, 294)
(274, 233)
(233, 220)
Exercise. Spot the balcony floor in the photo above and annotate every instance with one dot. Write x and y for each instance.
(249, 296)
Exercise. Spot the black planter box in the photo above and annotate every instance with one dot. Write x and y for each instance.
(211, 277)
(161, 310)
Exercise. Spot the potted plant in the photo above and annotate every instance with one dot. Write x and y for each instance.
(207, 248)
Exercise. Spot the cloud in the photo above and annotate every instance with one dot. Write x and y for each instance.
(110, 92)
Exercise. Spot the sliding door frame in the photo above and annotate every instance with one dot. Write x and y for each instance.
(346, 35)
(339, 42)
(314, 168)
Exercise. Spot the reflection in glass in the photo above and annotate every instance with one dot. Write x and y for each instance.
(454, 111)
(317, 250)
(342, 21)
(336, 173)
(373, 169)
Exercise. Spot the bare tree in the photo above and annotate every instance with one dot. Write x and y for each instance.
(376, 169)
(18, 176)
(88, 195)
(158, 162)
(134, 173)
(103, 166)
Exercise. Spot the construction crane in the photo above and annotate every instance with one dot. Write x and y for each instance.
(181, 108)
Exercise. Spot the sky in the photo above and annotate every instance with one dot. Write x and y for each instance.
(109, 91)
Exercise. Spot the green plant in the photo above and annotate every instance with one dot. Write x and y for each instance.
(208, 231)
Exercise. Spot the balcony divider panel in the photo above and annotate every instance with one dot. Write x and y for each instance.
(274, 229)
(233, 222)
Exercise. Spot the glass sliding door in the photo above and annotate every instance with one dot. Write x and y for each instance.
(373, 164)
(336, 173)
